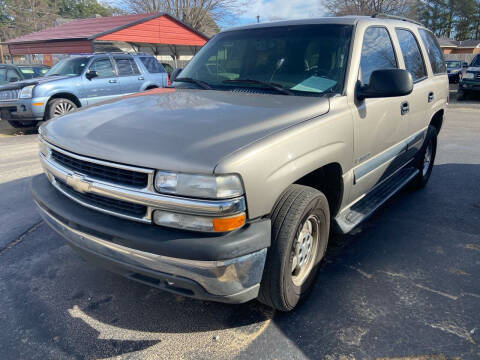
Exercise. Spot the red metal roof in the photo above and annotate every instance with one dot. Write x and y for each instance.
(92, 28)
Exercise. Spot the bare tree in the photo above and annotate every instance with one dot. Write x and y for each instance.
(370, 7)
(199, 14)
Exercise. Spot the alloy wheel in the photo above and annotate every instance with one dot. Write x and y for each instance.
(304, 250)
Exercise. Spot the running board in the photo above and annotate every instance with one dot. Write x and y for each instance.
(362, 209)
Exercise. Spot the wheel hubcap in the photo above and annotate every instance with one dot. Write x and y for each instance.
(304, 250)
(63, 108)
(427, 159)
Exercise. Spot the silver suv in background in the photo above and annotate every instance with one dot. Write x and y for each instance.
(227, 186)
(77, 82)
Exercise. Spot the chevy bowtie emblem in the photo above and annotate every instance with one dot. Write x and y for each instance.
(78, 183)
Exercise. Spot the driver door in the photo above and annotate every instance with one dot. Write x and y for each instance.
(379, 126)
(106, 85)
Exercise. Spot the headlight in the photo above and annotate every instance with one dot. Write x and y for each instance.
(199, 186)
(468, 75)
(26, 92)
(44, 149)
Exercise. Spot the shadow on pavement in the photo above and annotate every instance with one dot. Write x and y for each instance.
(405, 283)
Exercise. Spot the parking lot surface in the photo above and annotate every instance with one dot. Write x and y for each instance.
(404, 285)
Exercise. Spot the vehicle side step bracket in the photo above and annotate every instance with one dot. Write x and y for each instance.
(362, 209)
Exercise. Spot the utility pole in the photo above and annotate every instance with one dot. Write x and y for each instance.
(1, 51)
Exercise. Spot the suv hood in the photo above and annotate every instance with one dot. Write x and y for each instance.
(35, 81)
(178, 130)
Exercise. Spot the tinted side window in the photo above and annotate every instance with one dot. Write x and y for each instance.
(103, 67)
(12, 75)
(411, 54)
(126, 67)
(435, 54)
(377, 53)
(152, 65)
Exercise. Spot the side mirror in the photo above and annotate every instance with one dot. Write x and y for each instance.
(91, 74)
(464, 64)
(175, 74)
(13, 79)
(386, 83)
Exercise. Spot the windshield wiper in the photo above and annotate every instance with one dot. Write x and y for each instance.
(279, 88)
(197, 82)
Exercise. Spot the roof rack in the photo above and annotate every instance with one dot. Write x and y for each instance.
(394, 17)
(119, 52)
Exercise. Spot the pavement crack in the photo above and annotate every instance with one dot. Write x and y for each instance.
(441, 293)
(20, 238)
(453, 329)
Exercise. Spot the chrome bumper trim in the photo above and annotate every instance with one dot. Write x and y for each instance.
(219, 278)
(145, 197)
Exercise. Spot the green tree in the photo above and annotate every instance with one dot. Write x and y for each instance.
(75, 9)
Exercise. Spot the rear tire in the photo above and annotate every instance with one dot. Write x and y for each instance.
(425, 159)
(300, 229)
(59, 107)
(462, 94)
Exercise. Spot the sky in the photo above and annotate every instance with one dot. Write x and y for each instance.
(271, 10)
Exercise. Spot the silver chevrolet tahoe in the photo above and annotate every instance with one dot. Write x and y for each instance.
(227, 185)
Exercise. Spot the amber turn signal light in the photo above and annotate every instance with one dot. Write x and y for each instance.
(228, 224)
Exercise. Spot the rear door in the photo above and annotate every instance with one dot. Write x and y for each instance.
(415, 104)
(129, 76)
(156, 73)
(106, 85)
(438, 84)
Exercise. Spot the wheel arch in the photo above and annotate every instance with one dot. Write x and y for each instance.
(327, 179)
(437, 120)
(66, 95)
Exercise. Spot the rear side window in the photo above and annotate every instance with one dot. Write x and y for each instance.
(435, 54)
(152, 65)
(12, 75)
(377, 53)
(126, 67)
(411, 54)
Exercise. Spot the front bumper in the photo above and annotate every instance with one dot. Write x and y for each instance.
(23, 109)
(470, 85)
(225, 268)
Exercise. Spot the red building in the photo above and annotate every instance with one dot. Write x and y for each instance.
(160, 34)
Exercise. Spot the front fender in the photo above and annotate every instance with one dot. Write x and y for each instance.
(269, 166)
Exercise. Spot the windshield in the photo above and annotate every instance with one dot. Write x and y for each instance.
(476, 61)
(305, 59)
(69, 67)
(453, 64)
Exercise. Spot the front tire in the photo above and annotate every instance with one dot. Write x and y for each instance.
(300, 229)
(59, 107)
(22, 124)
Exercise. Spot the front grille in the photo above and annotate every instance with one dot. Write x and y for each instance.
(102, 172)
(8, 95)
(117, 206)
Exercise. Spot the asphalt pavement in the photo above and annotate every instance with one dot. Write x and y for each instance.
(404, 285)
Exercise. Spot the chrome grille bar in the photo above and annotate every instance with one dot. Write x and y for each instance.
(147, 196)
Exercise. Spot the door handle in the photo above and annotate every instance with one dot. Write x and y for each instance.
(113, 81)
(141, 78)
(431, 96)
(404, 108)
